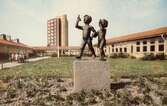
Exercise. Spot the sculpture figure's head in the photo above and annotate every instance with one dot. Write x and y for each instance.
(103, 23)
(87, 19)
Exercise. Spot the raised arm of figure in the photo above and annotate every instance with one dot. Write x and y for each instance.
(77, 23)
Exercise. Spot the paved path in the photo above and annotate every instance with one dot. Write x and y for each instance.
(36, 59)
(13, 64)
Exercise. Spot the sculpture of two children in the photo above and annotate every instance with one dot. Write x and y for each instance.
(87, 37)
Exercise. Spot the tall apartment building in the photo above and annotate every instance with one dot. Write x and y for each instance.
(57, 31)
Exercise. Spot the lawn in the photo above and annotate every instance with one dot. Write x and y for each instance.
(63, 68)
(135, 67)
(49, 67)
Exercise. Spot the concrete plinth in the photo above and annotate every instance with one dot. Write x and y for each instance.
(91, 74)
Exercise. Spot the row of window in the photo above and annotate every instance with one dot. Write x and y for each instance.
(138, 49)
(52, 31)
(145, 42)
(52, 24)
(120, 50)
(51, 21)
(51, 34)
(49, 29)
(52, 28)
(152, 48)
(51, 39)
(151, 42)
(51, 42)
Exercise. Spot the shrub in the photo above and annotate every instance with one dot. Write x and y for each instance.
(149, 56)
(132, 57)
(114, 55)
(119, 55)
(123, 55)
(161, 56)
(54, 55)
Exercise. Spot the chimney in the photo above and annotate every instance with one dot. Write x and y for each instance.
(4, 37)
(17, 40)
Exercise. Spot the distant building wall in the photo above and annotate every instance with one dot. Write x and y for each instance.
(138, 48)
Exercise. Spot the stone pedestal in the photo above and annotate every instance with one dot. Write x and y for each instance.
(91, 74)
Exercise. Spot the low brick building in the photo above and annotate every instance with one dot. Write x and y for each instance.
(8, 47)
(137, 44)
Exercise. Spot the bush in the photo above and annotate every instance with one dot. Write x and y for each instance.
(54, 55)
(132, 57)
(123, 55)
(114, 55)
(119, 55)
(149, 56)
(161, 56)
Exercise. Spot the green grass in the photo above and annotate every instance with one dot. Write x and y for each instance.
(135, 67)
(49, 67)
(63, 68)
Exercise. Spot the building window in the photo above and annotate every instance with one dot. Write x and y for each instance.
(116, 49)
(161, 47)
(125, 49)
(152, 41)
(112, 45)
(138, 43)
(152, 48)
(138, 49)
(120, 49)
(144, 42)
(144, 48)
(112, 50)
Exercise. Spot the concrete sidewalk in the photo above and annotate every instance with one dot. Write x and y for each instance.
(13, 64)
(37, 59)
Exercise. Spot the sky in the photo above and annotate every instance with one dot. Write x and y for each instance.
(27, 19)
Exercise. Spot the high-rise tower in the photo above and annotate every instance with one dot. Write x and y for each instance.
(58, 31)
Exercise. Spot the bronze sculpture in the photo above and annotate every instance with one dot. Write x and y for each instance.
(101, 33)
(86, 38)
